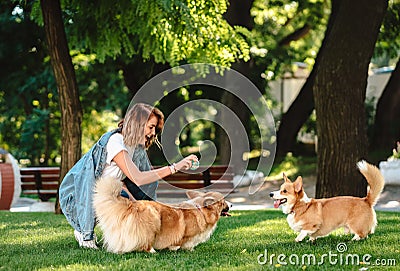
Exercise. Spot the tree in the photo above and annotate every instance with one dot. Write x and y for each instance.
(339, 94)
(303, 105)
(137, 71)
(29, 103)
(169, 31)
(386, 48)
(29, 124)
(71, 111)
(297, 114)
(278, 37)
(286, 32)
(386, 130)
(238, 14)
(387, 121)
(200, 34)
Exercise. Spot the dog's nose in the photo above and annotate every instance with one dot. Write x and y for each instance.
(271, 194)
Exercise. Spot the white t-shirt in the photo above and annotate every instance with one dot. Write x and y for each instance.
(114, 146)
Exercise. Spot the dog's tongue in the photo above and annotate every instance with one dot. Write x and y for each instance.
(277, 203)
(225, 214)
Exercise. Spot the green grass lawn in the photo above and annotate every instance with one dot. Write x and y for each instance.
(248, 240)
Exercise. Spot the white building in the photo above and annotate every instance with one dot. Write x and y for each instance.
(286, 89)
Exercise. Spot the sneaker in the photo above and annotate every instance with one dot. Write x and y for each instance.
(78, 237)
(83, 243)
(89, 244)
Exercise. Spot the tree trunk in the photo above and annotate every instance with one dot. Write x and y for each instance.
(387, 121)
(47, 132)
(71, 111)
(138, 71)
(226, 146)
(297, 114)
(238, 13)
(339, 95)
(296, 35)
(302, 107)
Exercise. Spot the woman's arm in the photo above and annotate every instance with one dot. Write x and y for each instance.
(124, 162)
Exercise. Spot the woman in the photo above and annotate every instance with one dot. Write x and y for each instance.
(112, 157)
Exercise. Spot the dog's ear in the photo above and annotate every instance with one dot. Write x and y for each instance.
(208, 201)
(286, 178)
(193, 194)
(298, 184)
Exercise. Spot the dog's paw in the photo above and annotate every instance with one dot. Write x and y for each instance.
(298, 239)
(174, 248)
(302, 235)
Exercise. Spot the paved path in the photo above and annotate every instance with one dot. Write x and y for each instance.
(241, 200)
(245, 199)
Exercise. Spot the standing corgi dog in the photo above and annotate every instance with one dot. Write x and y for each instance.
(319, 217)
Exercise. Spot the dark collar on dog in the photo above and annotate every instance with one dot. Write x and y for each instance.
(292, 210)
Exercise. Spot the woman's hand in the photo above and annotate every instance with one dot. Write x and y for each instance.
(186, 162)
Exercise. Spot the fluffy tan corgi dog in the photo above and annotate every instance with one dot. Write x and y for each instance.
(319, 217)
(149, 225)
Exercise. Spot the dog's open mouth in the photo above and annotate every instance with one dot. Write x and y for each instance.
(279, 202)
(225, 212)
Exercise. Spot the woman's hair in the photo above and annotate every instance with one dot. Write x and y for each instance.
(134, 123)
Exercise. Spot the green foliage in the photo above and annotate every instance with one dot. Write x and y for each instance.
(388, 45)
(46, 242)
(293, 166)
(310, 126)
(28, 95)
(33, 133)
(172, 31)
(104, 33)
(273, 44)
(95, 124)
(395, 152)
(101, 85)
(169, 31)
(29, 109)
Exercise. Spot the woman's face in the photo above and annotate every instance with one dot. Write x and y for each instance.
(150, 129)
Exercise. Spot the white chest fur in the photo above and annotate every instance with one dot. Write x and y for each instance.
(296, 226)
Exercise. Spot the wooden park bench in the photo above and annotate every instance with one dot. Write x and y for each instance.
(41, 181)
(215, 178)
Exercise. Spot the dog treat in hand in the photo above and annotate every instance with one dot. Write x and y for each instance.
(195, 165)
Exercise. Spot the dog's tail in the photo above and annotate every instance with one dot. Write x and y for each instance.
(375, 180)
(121, 220)
(107, 192)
